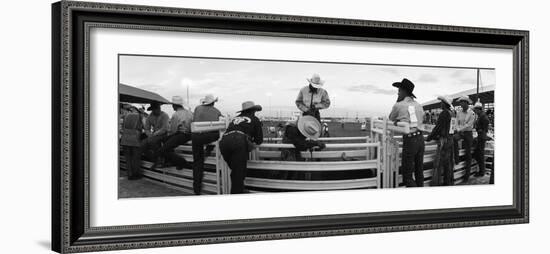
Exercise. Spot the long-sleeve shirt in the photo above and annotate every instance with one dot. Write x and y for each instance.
(159, 124)
(181, 121)
(465, 120)
(295, 137)
(306, 99)
(206, 113)
(442, 126)
(248, 124)
(409, 111)
(482, 125)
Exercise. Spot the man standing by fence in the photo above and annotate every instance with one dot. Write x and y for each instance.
(206, 112)
(443, 156)
(482, 127)
(465, 124)
(408, 110)
(313, 97)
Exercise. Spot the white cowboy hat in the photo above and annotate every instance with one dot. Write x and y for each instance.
(208, 99)
(309, 127)
(178, 100)
(464, 98)
(316, 81)
(478, 105)
(445, 99)
(250, 105)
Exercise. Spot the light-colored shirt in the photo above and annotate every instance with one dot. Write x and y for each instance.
(181, 121)
(409, 111)
(465, 120)
(305, 99)
(206, 114)
(159, 124)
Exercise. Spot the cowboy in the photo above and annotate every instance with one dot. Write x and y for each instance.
(313, 97)
(131, 141)
(408, 110)
(303, 135)
(242, 134)
(179, 133)
(482, 127)
(205, 112)
(156, 128)
(441, 133)
(465, 124)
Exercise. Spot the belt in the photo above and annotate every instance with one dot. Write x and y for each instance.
(412, 134)
(235, 131)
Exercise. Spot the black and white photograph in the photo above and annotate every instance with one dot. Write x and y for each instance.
(193, 125)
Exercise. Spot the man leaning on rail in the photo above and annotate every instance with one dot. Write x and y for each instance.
(406, 109)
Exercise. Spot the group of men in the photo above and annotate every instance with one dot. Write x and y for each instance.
(158, 135)
(447, 154)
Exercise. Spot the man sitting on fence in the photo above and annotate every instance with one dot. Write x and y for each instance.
(443, 162)
(303, 134)
(206, 112)
(408, 110)
(156, 129)
(178, 134)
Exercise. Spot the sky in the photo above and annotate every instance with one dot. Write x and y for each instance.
(355, 90)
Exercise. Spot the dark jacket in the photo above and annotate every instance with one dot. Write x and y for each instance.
(294, 136)
(249, 124)
(442, 127)
(482, 125)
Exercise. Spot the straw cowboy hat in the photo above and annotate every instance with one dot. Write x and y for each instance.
(316, 81)
(464, 98)
(407, 85)
(309, 127)
(249, 105)
(208, 99)
(445, 99)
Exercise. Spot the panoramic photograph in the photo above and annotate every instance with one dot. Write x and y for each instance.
(210, 126)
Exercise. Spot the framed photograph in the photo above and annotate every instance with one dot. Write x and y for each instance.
(179, 126)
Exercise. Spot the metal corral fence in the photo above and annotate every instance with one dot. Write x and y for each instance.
(346, 163)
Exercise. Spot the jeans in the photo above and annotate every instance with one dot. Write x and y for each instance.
(412, 160)
(234, 149)
(443, 162)
(172, 142)
(479, 154)
(151, 147)
(133, 161)
(467, 138)
(199, 140)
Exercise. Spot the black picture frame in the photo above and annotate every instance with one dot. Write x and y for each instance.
(71, 231)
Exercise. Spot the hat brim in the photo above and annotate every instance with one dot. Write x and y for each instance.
(203, 102)
(400, 85)
(254, 108)
(316, 85)
(301, 126)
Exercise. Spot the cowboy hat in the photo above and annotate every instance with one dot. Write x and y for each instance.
(208, 99)
(154, 105)
(249, 105)
(464, 98)
(407, 85)
(309, 127)
(445, 99)
(478, 105)
(178, 100)
(316, 81)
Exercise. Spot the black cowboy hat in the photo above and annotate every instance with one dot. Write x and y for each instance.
(407, 85)
(153, 105)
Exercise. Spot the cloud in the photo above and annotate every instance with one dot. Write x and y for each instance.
(428, 78)
(371, 89)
